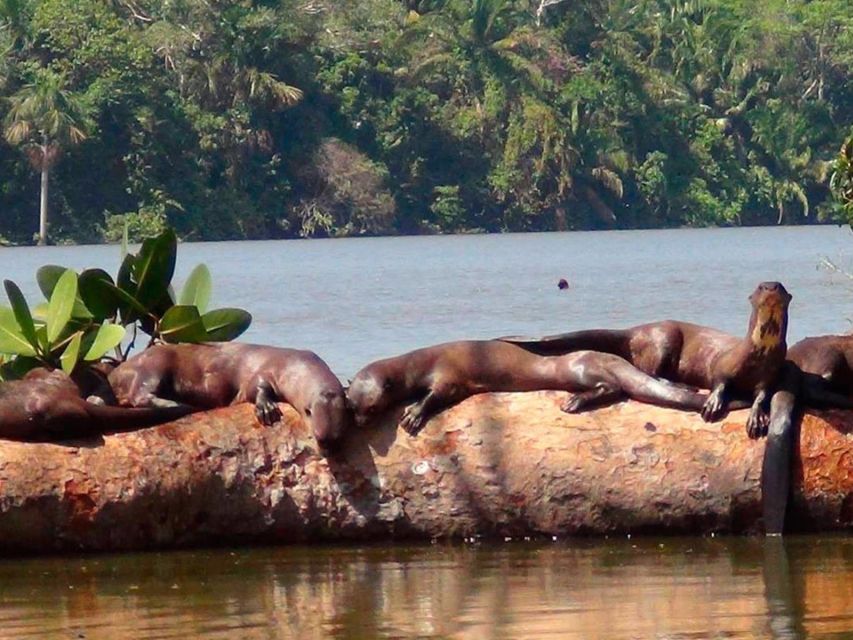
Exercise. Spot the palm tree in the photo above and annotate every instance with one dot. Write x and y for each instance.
(43, 118)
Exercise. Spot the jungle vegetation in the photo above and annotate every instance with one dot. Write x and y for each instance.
(288, 118)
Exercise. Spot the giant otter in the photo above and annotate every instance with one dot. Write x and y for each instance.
(439, 376)
(819, 374)
(698, 356)
(217, 375)
(47, 406)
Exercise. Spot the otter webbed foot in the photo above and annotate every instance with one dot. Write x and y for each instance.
(266, 408)
(267, 411)
(757, 424)
(413, 419)
(715, 406)
(759, 418)
(601, 394)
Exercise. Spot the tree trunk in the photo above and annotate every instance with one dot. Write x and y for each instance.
(495, 465)
(45, 174)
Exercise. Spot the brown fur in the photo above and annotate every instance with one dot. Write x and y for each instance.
(439, 376)
(217, 375)
(49, 405)
(699, 356)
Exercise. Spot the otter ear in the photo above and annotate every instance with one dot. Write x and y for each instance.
(387, 384)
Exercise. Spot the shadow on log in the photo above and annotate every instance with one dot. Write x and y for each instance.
(496, 465)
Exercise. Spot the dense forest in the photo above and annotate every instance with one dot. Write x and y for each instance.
(288, 118)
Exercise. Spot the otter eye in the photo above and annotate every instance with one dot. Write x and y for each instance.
(387, 385)
(307, 412)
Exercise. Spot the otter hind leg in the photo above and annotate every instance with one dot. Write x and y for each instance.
(601, 394)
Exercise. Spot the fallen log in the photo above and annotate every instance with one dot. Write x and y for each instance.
(497, 465)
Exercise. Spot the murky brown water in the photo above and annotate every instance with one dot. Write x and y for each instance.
(357, 300)
(642, 588)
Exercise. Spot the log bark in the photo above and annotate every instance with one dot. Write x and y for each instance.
(497, 465)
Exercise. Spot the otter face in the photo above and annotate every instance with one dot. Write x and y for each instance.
(368, 396)
(329, 417)
(770, 302)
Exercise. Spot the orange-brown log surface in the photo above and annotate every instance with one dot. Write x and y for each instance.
(496, 465)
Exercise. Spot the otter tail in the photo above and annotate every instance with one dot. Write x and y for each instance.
(605, 340)
(112, 419)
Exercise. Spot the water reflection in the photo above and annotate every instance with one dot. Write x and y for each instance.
(673, 588)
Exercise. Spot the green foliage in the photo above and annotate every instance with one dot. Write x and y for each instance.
(296, 119)
(842, 178)
(86, 316)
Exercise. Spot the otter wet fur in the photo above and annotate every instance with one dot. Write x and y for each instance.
(47, 406)
(699, 356)
(436, 377)
(218, 375)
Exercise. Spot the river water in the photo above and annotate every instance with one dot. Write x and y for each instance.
(355, 300)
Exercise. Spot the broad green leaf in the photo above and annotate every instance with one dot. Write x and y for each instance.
(223, 325)
(124, 282)
(12, 339)
(154, 267)
(40, 312)
(61, 305)
(197, 288)
(97, 293)
(47, 277)
(108, 337)
(22, 312)
(68, 359)
(182, 324)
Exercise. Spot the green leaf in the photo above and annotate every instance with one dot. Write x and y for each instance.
(226, 324)
(108, 337)
(97, 291)
(12, 339)
(22, 312)
(124, 282)
(182, 323)
(154, 267)
(47, 277)
(68, 359)
(197, 288)
(61, 305)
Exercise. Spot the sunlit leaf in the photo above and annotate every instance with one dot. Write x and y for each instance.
(68, 359)
(22, 312)
(223, 325)
(61, 305)
(197, 288)
(108, 337)
(182, 324)
(12, 339)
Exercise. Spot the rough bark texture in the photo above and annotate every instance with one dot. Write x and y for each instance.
(496, 465)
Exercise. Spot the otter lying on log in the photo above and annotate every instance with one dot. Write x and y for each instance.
(445, 374)
(217, 375)
(698, 356)
(49, 405)
(495, 465)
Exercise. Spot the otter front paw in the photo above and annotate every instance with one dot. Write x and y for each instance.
(267, 412)
(575, 404)
(413, 419)
(713, 408)
(757, 424)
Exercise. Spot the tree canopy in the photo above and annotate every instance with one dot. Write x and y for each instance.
(288, 118)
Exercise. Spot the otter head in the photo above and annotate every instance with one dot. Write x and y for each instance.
(371, 394)
(769, 322)
(328, 416)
